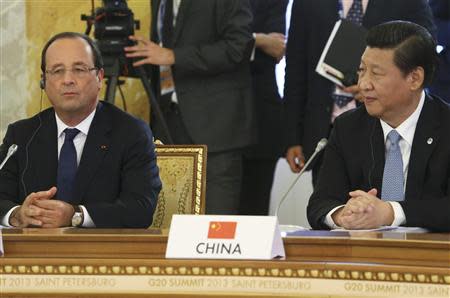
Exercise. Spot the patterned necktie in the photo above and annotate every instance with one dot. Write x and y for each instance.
(355, 15)
(67, 166)
(392, 187)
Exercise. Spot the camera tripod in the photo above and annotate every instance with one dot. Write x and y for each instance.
(112, 75)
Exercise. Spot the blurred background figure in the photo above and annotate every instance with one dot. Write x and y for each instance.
(200, 52)
(269, 27)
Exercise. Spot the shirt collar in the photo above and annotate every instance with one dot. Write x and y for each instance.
(408, 127)
(83, 126)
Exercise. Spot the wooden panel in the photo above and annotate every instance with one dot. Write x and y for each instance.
(131, 263)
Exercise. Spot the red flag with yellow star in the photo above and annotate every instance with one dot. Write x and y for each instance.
(222, 229)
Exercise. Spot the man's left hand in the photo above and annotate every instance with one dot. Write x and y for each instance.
(150, 52)
(57, 213)
(365, 211)
(273, 44)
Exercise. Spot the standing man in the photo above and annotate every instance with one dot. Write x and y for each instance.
(312, 102)
(200, 52)
(269, 26)
(388, 161)
(80, 163)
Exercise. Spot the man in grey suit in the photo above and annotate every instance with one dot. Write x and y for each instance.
(199, 52)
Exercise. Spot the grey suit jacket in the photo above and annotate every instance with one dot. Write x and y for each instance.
(212, 44)
(117, 178)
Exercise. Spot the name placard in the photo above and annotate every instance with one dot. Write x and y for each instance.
(224, 237)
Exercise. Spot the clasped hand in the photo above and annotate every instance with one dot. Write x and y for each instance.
(40, 210)
(364, 211)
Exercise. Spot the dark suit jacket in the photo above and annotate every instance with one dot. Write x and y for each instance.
(307, 94)
(354, 159)
(268, 16)
(441, 10)
(441, 82)
(117, 178)
(212, 44)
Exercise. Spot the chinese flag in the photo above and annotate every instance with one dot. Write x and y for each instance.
(222, 229)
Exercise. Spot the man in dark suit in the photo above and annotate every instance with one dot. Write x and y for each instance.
(81, 162)
(388, 162)
(199, 53)
(269, 26)
(308, 96)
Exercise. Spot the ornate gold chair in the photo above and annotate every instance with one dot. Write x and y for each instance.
(182, 169)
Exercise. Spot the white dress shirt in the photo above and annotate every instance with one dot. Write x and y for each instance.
(406, 130)
(78, 141)
(159, 25)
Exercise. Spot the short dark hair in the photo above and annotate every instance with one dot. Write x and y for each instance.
(97, 56)
(413, 46)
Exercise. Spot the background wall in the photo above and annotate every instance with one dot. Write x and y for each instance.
(25, 26)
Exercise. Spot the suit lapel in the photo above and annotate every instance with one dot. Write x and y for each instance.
(378, 148)
(43, 153)
(425, 140)
(155, 9)
(183, 10)
(94, 151)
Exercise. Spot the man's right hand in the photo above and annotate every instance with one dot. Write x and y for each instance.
(25, 215)
(295, 158)
(273, 44)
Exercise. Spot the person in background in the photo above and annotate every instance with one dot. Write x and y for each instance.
(387, 163)
(82, 162)
(269, 26)
(199, 55)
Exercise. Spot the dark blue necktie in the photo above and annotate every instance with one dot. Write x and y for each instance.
(392, 187)
(67, 166)
(167, 29)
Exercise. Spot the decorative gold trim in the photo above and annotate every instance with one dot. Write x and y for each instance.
(198, 155)
(227, 271)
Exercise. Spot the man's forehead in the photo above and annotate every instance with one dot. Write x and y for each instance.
(72, 49)
(377, 56)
